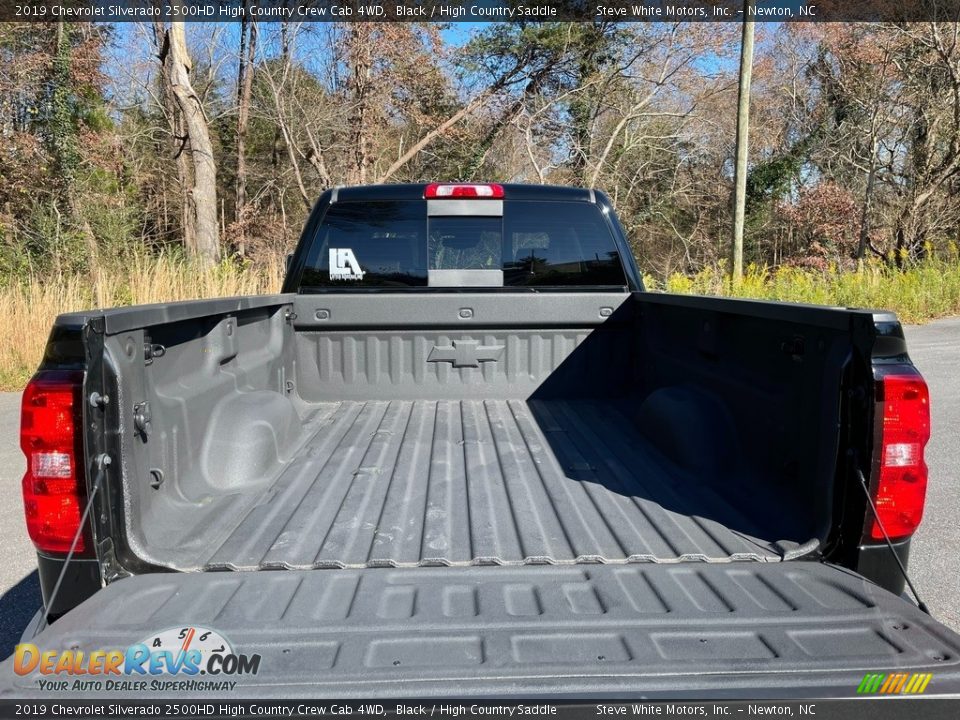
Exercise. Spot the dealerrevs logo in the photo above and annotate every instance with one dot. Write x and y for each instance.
(184, 651)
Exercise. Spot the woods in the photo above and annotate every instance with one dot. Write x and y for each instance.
(212, 141)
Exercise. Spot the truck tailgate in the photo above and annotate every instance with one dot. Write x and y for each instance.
(737, 629)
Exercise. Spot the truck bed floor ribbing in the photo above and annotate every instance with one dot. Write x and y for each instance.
(421, 483)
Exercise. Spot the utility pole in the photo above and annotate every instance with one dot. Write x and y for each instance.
(743, 127)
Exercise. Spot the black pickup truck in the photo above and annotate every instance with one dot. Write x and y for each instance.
(464, 452)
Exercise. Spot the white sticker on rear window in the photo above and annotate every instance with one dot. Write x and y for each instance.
(344, 265)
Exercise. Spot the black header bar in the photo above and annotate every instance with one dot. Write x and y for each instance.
(467, 709)
(478, 10)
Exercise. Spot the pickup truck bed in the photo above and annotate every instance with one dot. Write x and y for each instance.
(365, 440)
(408, 483)
(465, 452)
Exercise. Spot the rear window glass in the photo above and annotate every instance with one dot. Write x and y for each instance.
(465, 243)
(395, 244)
(369, 244)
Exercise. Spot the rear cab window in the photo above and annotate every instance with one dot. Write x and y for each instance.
(398, 245)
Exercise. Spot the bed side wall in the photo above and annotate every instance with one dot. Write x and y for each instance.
(206, 417)
(751, 390)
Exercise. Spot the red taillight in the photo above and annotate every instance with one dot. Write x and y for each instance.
(904, 401)
(54, 490)
(439, 191)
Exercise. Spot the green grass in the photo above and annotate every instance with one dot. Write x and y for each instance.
(917, 293)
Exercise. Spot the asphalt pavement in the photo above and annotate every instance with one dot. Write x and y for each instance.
(935, 550)
(934, 562)
(19, 587)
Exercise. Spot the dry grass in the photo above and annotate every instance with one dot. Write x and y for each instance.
(29, 307)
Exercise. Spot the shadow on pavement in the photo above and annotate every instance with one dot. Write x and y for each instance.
(17, 607)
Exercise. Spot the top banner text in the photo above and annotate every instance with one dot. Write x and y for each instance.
(111, 11)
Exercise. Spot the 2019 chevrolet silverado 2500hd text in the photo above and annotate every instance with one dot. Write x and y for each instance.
(476, 456)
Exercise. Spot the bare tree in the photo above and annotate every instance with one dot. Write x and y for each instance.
(245, 69)
(361, 77)
(930, 66)
(175, 61)
(299, 109)
(743, 134)
(179, 144)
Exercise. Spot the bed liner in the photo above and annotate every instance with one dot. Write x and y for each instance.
(485, 482)
(741, 629)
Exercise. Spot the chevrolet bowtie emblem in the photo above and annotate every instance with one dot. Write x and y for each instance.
(465, 353)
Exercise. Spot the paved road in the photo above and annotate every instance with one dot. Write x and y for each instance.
(935, 565)
(19, 586)
(935, 551)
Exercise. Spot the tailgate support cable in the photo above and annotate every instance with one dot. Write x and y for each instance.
(876, 517)
(103, 462)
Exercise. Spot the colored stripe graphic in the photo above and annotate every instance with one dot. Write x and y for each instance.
(870, 683)
(900, 683)
(888, 683)
(894, 683)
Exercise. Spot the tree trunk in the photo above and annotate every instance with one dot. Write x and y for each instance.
(178, 142)
(361, 66)
(743, 126)
(283, 139)
(248, 48)
(177, 66)
(64, 140)
(582, 107)
(898, 252)
(867, 199)
(275, 153)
